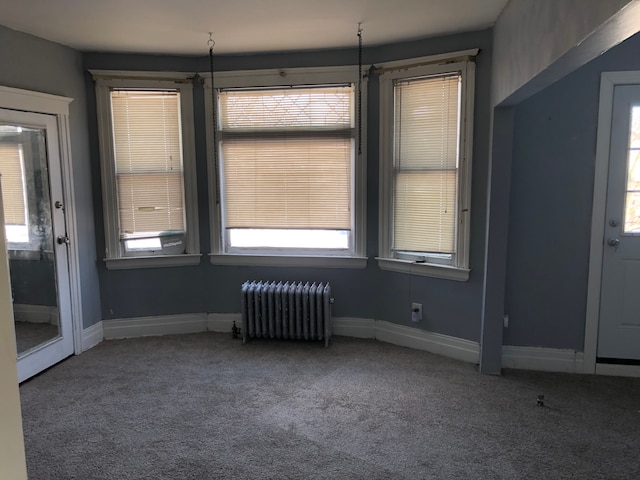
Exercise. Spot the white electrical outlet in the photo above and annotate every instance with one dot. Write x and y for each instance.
(416, 312)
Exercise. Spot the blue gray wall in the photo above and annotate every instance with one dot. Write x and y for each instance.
(450, 307)
(31, 63)
(551, 203)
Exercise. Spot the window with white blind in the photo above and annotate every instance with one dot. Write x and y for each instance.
(148, 170)
(426, 129)
(14, 198)
(288, 169)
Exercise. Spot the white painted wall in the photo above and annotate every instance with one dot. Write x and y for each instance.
(536, 42)
(12, 458)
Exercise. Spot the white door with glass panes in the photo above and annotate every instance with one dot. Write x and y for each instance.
(36, 239)
(619, 324)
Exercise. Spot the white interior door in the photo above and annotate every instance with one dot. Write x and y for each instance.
(37, 241)
(619, 322)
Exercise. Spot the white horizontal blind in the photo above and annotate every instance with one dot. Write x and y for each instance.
(148, 161)
(13, 188)
(287, 157)
(426, 151)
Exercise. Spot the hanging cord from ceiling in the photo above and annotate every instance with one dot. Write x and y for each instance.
(359, 88)
(214, 116)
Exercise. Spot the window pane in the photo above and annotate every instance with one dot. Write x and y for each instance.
(632, 213)
(633, 174)
(148, 161)
(144, 244)
(635, 127)
(13, 189)
(289, 108)
(426, 151)
(288, 183)
(17, 233)
(271, 238)
(146, 130)
(424, 211)
(287, 160)
(150, 203)
(156, 242)
(427, 122)
(632, 201)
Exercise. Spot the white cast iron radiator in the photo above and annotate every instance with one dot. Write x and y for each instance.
(287, 310)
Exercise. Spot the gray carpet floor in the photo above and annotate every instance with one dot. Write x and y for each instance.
(203, 406)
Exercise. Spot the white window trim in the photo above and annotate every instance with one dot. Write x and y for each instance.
(453, 62)
(272, 78)
(105, 80)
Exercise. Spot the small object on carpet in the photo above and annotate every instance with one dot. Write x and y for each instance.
(235, 331)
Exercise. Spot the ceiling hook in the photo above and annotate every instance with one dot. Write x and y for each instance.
(211, 42)
(360, 29)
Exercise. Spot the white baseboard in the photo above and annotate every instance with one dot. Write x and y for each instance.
(453, 347)
(618, 370)
(403, 336)
(157, 325)
(92, 336)
(542, 359)
(344, 326)
(353, 327)
(457, 348)
(526, 358)
(169, 324)
(35, 313)
(223, 322)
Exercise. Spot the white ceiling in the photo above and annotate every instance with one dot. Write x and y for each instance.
(240, 26)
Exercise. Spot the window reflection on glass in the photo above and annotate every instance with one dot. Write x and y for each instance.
(28, 225)
(632, 200)
(13, 192)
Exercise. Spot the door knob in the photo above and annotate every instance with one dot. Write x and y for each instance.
(613, 242)
(63, 239)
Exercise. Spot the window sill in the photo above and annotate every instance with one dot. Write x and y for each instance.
(424, 269)
(125, 263)
(287, 261)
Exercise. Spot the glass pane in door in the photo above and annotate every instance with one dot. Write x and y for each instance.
(632, 200)
(26, 198)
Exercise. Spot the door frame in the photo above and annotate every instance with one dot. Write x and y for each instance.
(608, 82)
(37, 102)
